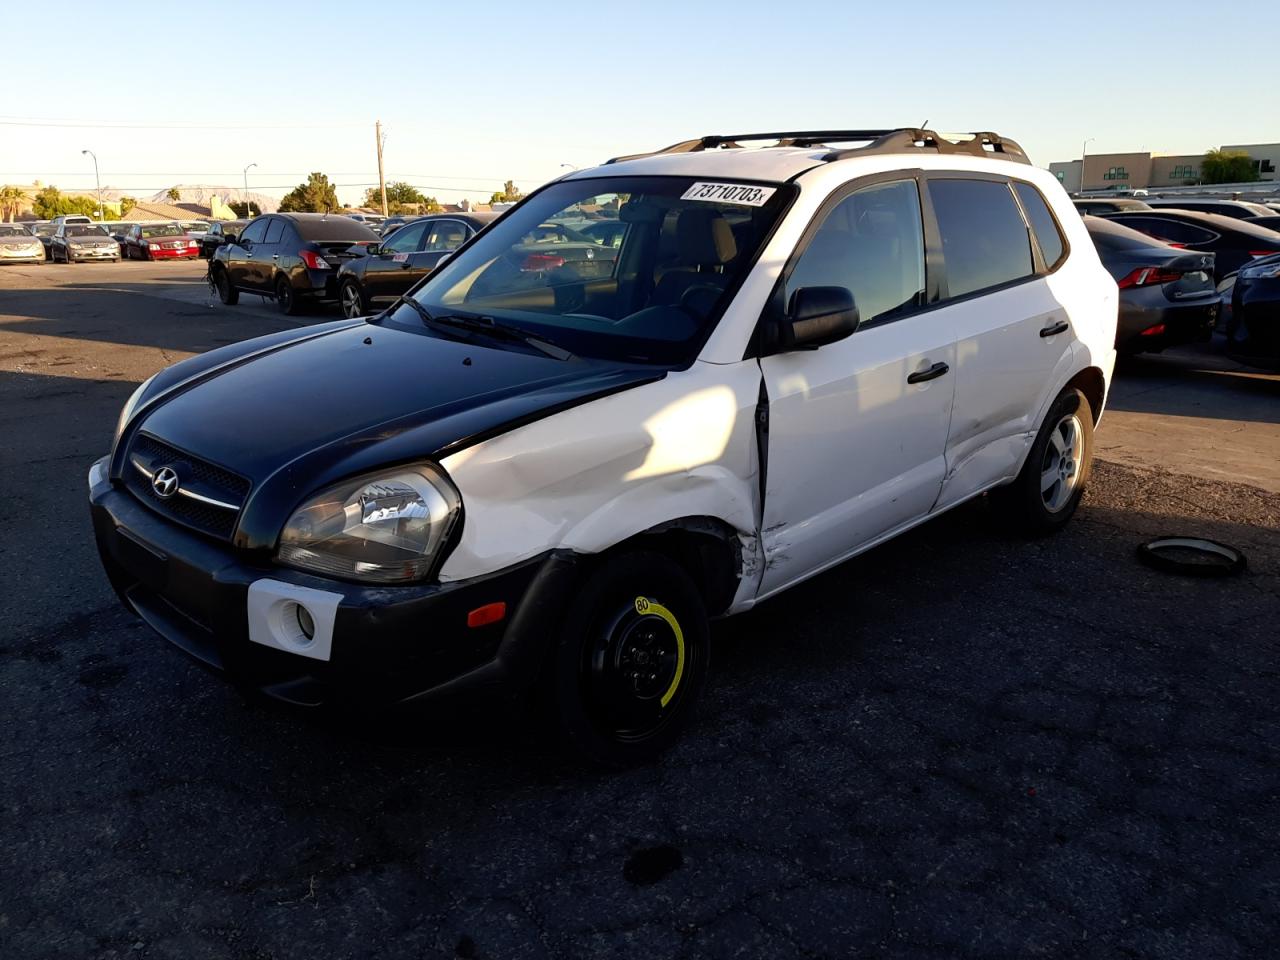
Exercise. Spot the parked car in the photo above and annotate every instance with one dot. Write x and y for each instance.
(1167, 294)
(19, 245)
(1233, 242)
(195, 228)
(219, 232)
(1253, 332)
(546, 486)
(159, 241)
(1096, 207)
(1271, 222)
(391, 224)
(43, 229)
(293, 257)
(1237, 209)
(368, 219)
(393, 266)
(70, 218)
(74, 242)
(117, 229)
(607, 233)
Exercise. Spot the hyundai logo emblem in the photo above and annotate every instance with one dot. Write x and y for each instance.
(165, 482)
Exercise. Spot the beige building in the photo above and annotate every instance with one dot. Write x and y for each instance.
(1145, 171)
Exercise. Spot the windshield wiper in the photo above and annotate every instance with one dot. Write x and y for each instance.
(485, 325)
(498, 330)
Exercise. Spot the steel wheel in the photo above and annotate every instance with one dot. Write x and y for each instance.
(1063, 458)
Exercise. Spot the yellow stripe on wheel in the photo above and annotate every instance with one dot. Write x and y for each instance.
(644, 606)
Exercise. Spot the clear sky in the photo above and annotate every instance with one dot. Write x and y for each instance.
(472, 94)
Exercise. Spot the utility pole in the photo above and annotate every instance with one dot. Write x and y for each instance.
(102, 213)
(248, 215)
(382, 181)
(1083, 155)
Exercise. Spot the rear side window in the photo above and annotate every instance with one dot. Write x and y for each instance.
(872, 244)
(1043, 225)
(984, 238)
(274, 231)
(1172, 231)
(255, 231)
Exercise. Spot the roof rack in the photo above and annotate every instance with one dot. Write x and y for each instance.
(901, 140)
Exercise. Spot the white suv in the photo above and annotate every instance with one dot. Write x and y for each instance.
(653, 393)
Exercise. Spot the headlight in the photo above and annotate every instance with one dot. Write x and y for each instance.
(1265, 271)
(130, 405)
(382, 528)
(75, 243)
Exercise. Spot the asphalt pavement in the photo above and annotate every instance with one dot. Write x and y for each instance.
(961, 744)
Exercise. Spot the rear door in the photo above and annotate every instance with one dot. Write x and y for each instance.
(857, 429)
(386, 273)
(1013, 337)
(271, 255)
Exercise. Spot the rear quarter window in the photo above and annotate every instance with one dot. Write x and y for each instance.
(1043, 224)
(985, 242)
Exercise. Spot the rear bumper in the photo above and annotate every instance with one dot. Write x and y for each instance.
(316, 284)
(374, 646)
(1150, 321)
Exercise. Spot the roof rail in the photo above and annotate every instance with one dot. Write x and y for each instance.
(901, 140)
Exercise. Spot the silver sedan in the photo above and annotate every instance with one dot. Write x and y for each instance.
(19, 245)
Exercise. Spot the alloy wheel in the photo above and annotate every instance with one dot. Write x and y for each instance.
(1063, 460)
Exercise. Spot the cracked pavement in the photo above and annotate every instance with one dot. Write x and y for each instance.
(958, 745)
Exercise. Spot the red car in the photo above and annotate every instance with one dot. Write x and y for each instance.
(158, 241)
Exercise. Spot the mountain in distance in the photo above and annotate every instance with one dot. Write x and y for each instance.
(201, 192)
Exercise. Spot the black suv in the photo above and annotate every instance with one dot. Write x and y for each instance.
(404, 258)
(293, 257)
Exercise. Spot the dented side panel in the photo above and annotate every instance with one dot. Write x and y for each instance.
(592, 476)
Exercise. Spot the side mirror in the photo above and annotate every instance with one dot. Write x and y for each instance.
(372, 249)
(229, 238)
(818, 315)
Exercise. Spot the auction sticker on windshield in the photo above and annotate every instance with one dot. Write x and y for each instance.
(742, 193)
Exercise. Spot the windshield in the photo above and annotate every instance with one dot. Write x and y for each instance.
(82, 230)
(162, 230)
(635, 269)
(196, 226)
(13, 230)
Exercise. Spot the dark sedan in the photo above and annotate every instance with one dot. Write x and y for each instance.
(292, 257)
(219, 232)
(1236, 209)
(1270, 222)
(1253, 333)
(74, 242)
(404, 258)
(1167, 295)
(45, 229)
(1233, 242)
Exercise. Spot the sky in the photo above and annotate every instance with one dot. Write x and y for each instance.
(473, 94)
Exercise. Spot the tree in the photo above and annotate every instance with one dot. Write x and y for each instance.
(127, 204)
(46, 202)
(510, 193)
(1228, 166)
(317, 195)
(399, 195)
(11, 199)
(240, 210)
(173, 195)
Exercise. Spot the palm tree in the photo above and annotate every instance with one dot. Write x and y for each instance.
(11, 199)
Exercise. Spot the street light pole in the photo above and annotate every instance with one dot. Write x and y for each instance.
(246, 191)
(1083, 147)
(102, 214)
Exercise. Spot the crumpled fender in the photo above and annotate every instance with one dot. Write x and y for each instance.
(592, 476)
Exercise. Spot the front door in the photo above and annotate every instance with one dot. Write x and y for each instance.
(386, 271)
(242, 256)
(857, 428)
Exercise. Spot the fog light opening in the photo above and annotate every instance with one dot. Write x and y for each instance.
(306, 623)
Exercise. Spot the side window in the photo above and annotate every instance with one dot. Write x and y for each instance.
(407, 239)
(446, 235)
(255, 231)
(275, 231)
(872, 244)
(984, 238)
(1043, 225)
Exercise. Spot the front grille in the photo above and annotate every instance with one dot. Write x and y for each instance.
(196, 476)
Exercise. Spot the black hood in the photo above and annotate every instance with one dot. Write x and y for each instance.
(355, 398)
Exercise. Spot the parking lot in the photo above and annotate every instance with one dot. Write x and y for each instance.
(958, 744)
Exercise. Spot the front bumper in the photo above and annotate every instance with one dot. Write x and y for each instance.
(21, 255)
(374, 646)
(172, 253)
(95, 253)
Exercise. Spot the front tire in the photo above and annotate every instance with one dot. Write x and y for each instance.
(1048, 490)
(286, 299)
(631, 660)
(227, 293)
(352, 299)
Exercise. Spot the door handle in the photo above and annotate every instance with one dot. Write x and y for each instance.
(1055, 328)
(275, 256)
(933, 373)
